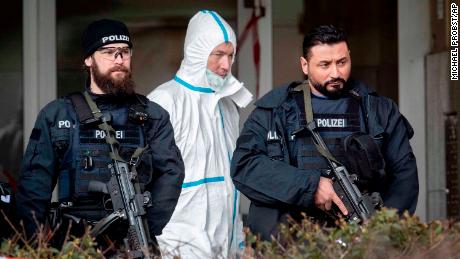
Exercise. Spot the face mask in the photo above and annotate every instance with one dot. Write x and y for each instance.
(215, 81)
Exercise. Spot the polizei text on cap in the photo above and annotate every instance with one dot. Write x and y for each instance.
(115, 38)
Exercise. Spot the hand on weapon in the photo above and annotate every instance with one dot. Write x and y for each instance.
(325, 196)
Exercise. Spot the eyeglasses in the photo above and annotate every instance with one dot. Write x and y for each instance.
(112, 53)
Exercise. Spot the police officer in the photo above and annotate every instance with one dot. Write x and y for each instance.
(276, 164)
(68, 148)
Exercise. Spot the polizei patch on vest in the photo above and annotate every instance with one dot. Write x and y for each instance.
(100, 134)
(329, 123)
(337, 122)
(127, 134)
(115, 38)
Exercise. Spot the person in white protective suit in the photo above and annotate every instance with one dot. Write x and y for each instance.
(203, 100)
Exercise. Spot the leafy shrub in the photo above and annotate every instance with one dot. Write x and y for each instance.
(386, 235)
(39, 246)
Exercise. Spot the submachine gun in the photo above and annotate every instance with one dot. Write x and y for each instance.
(128, 202)
(360, 206)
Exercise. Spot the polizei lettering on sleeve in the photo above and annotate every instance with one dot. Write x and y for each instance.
(115, 38)
(64, 124)
(331, 123)
(271, 135)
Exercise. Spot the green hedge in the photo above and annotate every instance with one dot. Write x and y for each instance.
(39, 247)
(386, 235)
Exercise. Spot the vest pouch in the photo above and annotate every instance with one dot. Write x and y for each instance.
(60, 138)
(145, 168)
(64, 188)
(363, 158)
(274, 149)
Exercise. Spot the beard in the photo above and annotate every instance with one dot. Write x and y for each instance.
(334, 94)
(115, 86)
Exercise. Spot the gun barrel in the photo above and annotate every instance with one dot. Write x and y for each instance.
(132, 206)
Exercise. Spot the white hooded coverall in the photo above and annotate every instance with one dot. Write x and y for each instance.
(206, 222)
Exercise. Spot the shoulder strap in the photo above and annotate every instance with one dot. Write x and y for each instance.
(143, 100)
(355, 95)
(307, 101)
(105, 126)
(82, 108)
(138, 110)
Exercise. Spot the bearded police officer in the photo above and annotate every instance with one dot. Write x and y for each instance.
(276, 163)
(67, 147)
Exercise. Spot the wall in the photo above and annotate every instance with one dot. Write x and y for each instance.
(11, 90)
(287, 41)
(372, 34)
(157, 29)
(413, 45)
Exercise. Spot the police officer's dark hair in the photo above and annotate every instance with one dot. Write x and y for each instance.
(323, 34)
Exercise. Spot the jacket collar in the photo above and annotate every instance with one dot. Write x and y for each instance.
(279, 95)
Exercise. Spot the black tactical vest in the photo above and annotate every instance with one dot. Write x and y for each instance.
(88, 157)
(335, 119)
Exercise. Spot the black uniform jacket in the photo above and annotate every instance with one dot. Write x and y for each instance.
(41, 163)
(262, 168)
